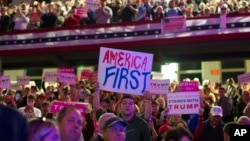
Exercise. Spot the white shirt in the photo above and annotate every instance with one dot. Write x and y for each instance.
(36, 113)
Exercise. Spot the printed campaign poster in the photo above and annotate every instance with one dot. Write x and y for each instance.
(159, 86)
(51, 76)
(188, 86)
(56, 106)
(82, 12)
(23, 80)
(15, 86)
(244, 78)
(85, 74)
(92, 4)
(93, 77)
(66, 70)
(183, 103)
(5, 82)
(124, 71)
(67, 78)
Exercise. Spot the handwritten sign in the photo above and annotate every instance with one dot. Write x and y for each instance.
(188, 86)
(244, 78)
(85, 74)
(23, 80)
(50, 76)
(124, 71)
(56, 106)
(5, 82)
(68, 78)
(183, 103)
(160, 86)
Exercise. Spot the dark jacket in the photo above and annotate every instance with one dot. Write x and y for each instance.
(13, 125)
(137, 130)
(212, 134)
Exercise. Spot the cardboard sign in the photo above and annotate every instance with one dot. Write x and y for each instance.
(160, 86)
(124, 71)
(56, 106)
(23, 80)
(183, 103)
(51, 76)
(5, 82)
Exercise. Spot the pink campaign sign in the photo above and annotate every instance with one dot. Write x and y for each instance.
(85, 74)
(56, 106)
(66, 70)
(188, 86)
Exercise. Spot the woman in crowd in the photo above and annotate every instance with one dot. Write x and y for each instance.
(42, 129)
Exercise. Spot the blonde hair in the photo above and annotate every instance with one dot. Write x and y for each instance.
(40, 128)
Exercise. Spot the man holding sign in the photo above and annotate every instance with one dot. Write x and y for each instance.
(137, 129)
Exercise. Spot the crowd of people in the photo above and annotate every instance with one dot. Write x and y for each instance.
(110, 116)
(46, 14)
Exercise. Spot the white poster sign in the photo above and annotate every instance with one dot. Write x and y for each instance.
(160, 86)
(15, 86)
(68, 78)
(183, 103)
(51, 76)
(244, 78)
(92, 4)
(124, 71)
(23, 80)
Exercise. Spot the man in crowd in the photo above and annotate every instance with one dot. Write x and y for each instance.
(212, 129)
(111, 128)
(137, 128)
(30, 111)
(70, 123)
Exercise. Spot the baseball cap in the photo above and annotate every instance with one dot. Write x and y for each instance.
(110, 122)
(216, 111)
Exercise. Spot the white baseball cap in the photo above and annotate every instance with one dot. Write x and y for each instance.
(216, 111)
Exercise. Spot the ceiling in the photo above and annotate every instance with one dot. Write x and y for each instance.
(204, 48)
